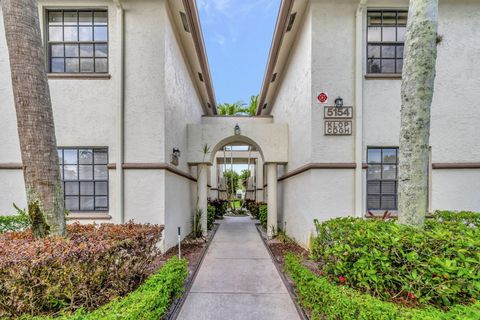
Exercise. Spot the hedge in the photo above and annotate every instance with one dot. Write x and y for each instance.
(86, 269)
(253, 207)
(262, 215)
(326, 300)
(220, 207)
(150, 301)
(439, 265)
(467, 218)
(210, 217)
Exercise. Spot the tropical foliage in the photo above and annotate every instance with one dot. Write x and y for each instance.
(232, 178)
(239, 107)
(327, 300)
(438, 265)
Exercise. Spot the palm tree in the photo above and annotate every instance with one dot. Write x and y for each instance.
(417, 94)
(253, 105)
(35, 124)
(230, 109)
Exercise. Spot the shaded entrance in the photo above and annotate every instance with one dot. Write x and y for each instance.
(269, 140)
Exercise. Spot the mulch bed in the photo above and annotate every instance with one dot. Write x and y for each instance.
(192, 250)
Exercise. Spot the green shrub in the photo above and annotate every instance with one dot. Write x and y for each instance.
(262, 215)
(150, 301)
(328, 301)
(210, 217)
(464, 217)
(13, 223)
(86, 269)
(220, 206)
(253, 207)
(439, 265)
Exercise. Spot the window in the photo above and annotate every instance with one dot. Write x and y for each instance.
(382, 178)
(77, 41)
(385, 40)
(85, 178)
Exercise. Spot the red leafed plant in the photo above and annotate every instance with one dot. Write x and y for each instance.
(92, 265)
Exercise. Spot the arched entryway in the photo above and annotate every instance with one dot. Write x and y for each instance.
(269, 139)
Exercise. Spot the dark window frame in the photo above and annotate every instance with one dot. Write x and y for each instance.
(380, 194)
(93, 42)
(397, 44)
(94, 195)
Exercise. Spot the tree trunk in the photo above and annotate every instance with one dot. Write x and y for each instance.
(417, 93)
(35, 124)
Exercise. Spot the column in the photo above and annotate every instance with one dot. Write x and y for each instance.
(259, 180)
(202, 193)
(272, 199)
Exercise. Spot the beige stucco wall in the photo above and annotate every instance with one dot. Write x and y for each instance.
(84, 110)
(329, 39)
(160, 99)
(292, 106)
(182, 106)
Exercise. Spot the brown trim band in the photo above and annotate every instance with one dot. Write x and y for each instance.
(456, 165)
(8, 166)
(383, 76)
(89, 216)
(310, 166)
(79, 76)
(158, 166)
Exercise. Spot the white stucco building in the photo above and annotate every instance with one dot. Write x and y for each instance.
(131, 88)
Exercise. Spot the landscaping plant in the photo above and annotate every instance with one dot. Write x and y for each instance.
(210, 217)
(17, 222)
(91, 266)
(262, 215)
(437, 266)
(220, 206)
(328, 300)
(150, 301)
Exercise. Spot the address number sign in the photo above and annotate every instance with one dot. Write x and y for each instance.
(338, 112)
(336, 123)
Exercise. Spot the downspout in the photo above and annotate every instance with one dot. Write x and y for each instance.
(359, 109)
(120, 143)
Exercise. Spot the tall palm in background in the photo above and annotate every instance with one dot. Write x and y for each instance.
(239, 108)
(36, 130)
(253, 105)
(231, 109)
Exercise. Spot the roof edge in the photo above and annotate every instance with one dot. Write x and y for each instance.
(197, 36)
(280, 27)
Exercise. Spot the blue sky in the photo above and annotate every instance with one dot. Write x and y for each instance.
(237, 35)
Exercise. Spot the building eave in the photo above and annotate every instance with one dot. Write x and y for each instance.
(197, 36)
(279, 33)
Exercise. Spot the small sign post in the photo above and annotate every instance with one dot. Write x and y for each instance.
(179, 244)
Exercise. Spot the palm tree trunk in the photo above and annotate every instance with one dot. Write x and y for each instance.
(417, 93)
(35, 124)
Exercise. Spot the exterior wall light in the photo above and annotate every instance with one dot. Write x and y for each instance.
(237, 129)
(175, 156)
(339, 102)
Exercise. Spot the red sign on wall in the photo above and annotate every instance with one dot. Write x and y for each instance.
(322, 97)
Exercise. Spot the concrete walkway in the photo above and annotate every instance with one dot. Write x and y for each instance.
(237, 279)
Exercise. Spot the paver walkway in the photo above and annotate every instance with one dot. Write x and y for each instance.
(237, 279)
